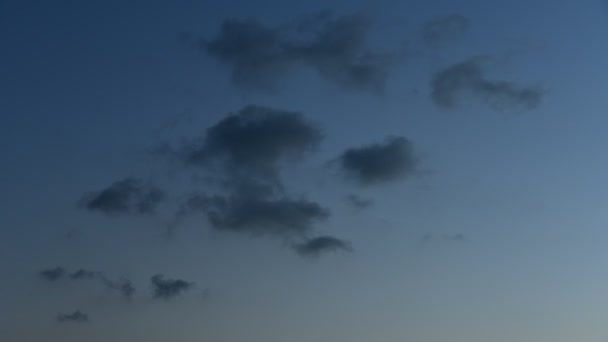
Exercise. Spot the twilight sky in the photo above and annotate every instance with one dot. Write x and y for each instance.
(340, 171)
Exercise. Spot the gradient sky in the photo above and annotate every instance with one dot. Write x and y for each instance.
(493, 229)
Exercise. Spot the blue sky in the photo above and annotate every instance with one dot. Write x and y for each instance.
(489, 224)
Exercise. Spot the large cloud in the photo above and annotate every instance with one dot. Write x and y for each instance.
(381, 162)
(127, 196)
(75, 317)
(450, 85)
(253, 140)
(322, 244)
(335, 47)
(168, 288)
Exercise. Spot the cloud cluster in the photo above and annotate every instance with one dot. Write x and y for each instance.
(127, 196)
(450, 85)
(74, 317)
(335, 47)
(243, 154)
(441, 29)
(378, 163)
(314, 247)
(124, 287)
(168, 288)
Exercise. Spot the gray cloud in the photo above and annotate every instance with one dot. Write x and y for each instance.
(333, 46)
(359, 202)
(441, 29)
(322, 244)
(127, 196)
(168, 288)
(381, 162)
(53, 273)
(75, 317)
(450, 85)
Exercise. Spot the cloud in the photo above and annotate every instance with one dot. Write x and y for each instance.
(124, 287)
(441, 29)
(252, 141)
(254, 215)
(444, 237)
(450, 85)
(75, 317)
(359, 202)
(127, 196)
(168, 288)
(378, 163)
(335, 47)
(322, 244)
(53, 273)
(83, 274)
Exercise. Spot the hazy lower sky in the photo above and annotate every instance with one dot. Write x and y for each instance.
(340, 171)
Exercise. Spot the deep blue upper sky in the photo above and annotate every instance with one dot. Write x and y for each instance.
(297, 171)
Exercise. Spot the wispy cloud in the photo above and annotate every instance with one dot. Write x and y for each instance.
(451, 85)
(333, 46)
(127, 196)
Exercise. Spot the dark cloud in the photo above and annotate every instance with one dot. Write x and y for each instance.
(75, 317)
(441, 29)
(83, 274)
(380, 162)
(252, 141)
(168, 288)
(127, 196)
(450, 85)
(254, 215)
(333, 46)
(359, 202)
(53, 273)
(322, 244)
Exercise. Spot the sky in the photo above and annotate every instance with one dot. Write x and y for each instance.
(336, 171)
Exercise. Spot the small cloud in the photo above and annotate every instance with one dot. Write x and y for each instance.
(381, 162)
(359, 202)
(127, 196)
(322, 244)
(124, 287)
(83, 274)
(442, 29)
(169, 288)
(53, 273)
(458, 237)
(74, 317)
(450, 85)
